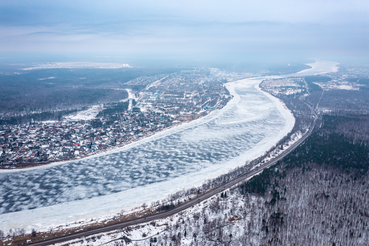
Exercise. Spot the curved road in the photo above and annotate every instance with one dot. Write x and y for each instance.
(188, 204)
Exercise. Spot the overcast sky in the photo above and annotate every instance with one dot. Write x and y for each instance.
(337, 27)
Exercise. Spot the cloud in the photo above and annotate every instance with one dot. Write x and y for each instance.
(232, 11)
(184, 26)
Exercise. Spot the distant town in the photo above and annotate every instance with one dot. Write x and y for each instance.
(154, 103)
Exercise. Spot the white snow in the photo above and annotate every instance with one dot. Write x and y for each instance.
(131, 95)
(249, 106)
(155, 83)
(293, 139)
(319, 67)
(140, 235)
(346, 87)
(338, 85)
(240, 110)
(78, 65)
(47, 78)
(50, 121)
(88, 114)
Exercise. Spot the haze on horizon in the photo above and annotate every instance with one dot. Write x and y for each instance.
(224, 31)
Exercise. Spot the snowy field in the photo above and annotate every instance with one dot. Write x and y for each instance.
(233, 214)
(72, 65)
(149, 169)
(87, 114)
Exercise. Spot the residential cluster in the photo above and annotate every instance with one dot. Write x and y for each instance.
(188, 92)
(162, 102)
(39, 142)
(285, 86)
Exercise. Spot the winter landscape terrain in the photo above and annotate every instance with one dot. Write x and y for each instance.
(148, 170)
(168, 123)
(317, 195)
(152, 168)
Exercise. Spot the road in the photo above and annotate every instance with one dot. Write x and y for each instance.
(188, 204)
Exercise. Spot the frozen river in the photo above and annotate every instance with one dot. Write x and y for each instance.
(147, 170)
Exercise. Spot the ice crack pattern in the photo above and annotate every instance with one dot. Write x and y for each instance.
(209, 143)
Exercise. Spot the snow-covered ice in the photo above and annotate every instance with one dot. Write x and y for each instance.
(319, 67)
(150, 169)
(147, 170)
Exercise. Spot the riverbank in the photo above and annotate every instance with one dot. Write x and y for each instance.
(250, 115)
(103, 206)
(108, 150)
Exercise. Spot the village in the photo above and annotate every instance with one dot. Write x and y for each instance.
(154, 104)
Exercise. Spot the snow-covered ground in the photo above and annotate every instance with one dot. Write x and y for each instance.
(47, 78)
(156, 83)
(147, 170)
(276, 152)
(88, 114)
(131, 95)
(339, 85)
(231, 215)
(71, 65)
